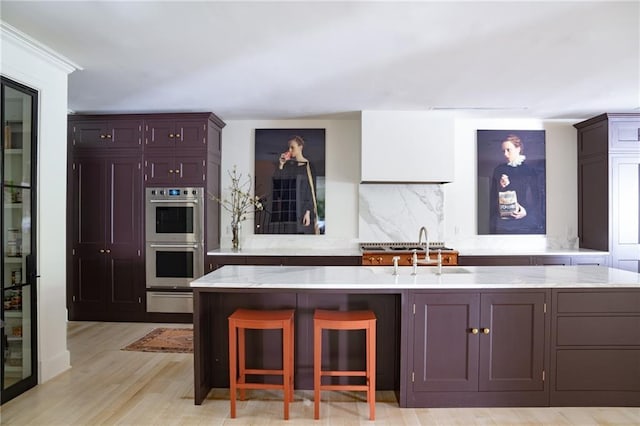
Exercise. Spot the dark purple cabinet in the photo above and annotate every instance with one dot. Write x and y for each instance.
(445, 349)
(595, 347)
(177, 148)
(105, 133)
(214, 262)
(111, 158)
(512, 341)
(178, 169)
(494, 260)
(482, 348)
(175, 133)
(107, 272)
(538, 260)
(608, 178)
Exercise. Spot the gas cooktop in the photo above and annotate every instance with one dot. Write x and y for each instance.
(406, 246)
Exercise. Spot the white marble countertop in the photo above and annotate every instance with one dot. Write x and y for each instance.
(381, 277)
(355, 251)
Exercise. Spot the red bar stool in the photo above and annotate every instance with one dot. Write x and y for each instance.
(341, 320)
(242, 319)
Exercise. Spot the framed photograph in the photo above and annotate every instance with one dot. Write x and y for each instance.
(290, 181)
(511, 182)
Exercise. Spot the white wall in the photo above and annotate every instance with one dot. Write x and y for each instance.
(342, 178)
(26, 62)
(449, 210)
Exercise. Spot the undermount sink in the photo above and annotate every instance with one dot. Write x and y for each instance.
(422, 270)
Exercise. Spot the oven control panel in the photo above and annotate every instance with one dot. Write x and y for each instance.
(174, 193)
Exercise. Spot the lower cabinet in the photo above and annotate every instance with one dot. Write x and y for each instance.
(523, 347)
(214, 262)
(541, 260)
(595, 347)
(106, 264)
(478, 348)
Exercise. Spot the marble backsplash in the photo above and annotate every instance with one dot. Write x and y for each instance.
(395, 212)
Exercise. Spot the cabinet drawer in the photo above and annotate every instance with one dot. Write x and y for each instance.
(590, 370)
(596, 331)
(598, 302)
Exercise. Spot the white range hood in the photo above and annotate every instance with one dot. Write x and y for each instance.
(407, 147)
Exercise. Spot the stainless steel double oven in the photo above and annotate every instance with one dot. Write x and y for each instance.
(174, 237)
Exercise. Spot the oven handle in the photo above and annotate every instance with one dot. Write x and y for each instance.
(173, 201)
(195, 246)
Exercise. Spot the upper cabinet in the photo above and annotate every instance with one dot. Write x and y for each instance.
(175, 133)
(609, 187)
(407, 147)
(178, 146)
(112, 132)
(174, 168)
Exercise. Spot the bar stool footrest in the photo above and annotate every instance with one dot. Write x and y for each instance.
(344, 373)
(362, 388)
(259, 372)
(258, 386)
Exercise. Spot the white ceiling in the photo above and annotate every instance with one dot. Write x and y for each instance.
(274, 60)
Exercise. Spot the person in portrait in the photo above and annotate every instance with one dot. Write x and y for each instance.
(515, 195)
(294, 188)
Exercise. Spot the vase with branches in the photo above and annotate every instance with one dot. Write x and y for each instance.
(239, 202)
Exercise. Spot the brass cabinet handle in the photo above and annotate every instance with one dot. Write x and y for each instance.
(177, 170)
(102, 136)
(379, 260)
(371, 259)
(474, 331)
(486, 330)
(170, 170)
(101, 250)
(108, 251)
(178, 135)
(170, 135)
(108, 136)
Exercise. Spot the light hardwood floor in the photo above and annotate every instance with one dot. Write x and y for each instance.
(109, 386)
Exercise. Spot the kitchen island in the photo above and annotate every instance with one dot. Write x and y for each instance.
(472, 336)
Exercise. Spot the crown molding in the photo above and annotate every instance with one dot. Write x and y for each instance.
(8, 32)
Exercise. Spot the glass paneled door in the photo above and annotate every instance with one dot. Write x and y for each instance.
(18, 343)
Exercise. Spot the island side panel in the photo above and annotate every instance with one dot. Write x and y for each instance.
(202, 344)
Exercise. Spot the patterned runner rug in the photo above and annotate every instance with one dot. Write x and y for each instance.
(164, 340)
